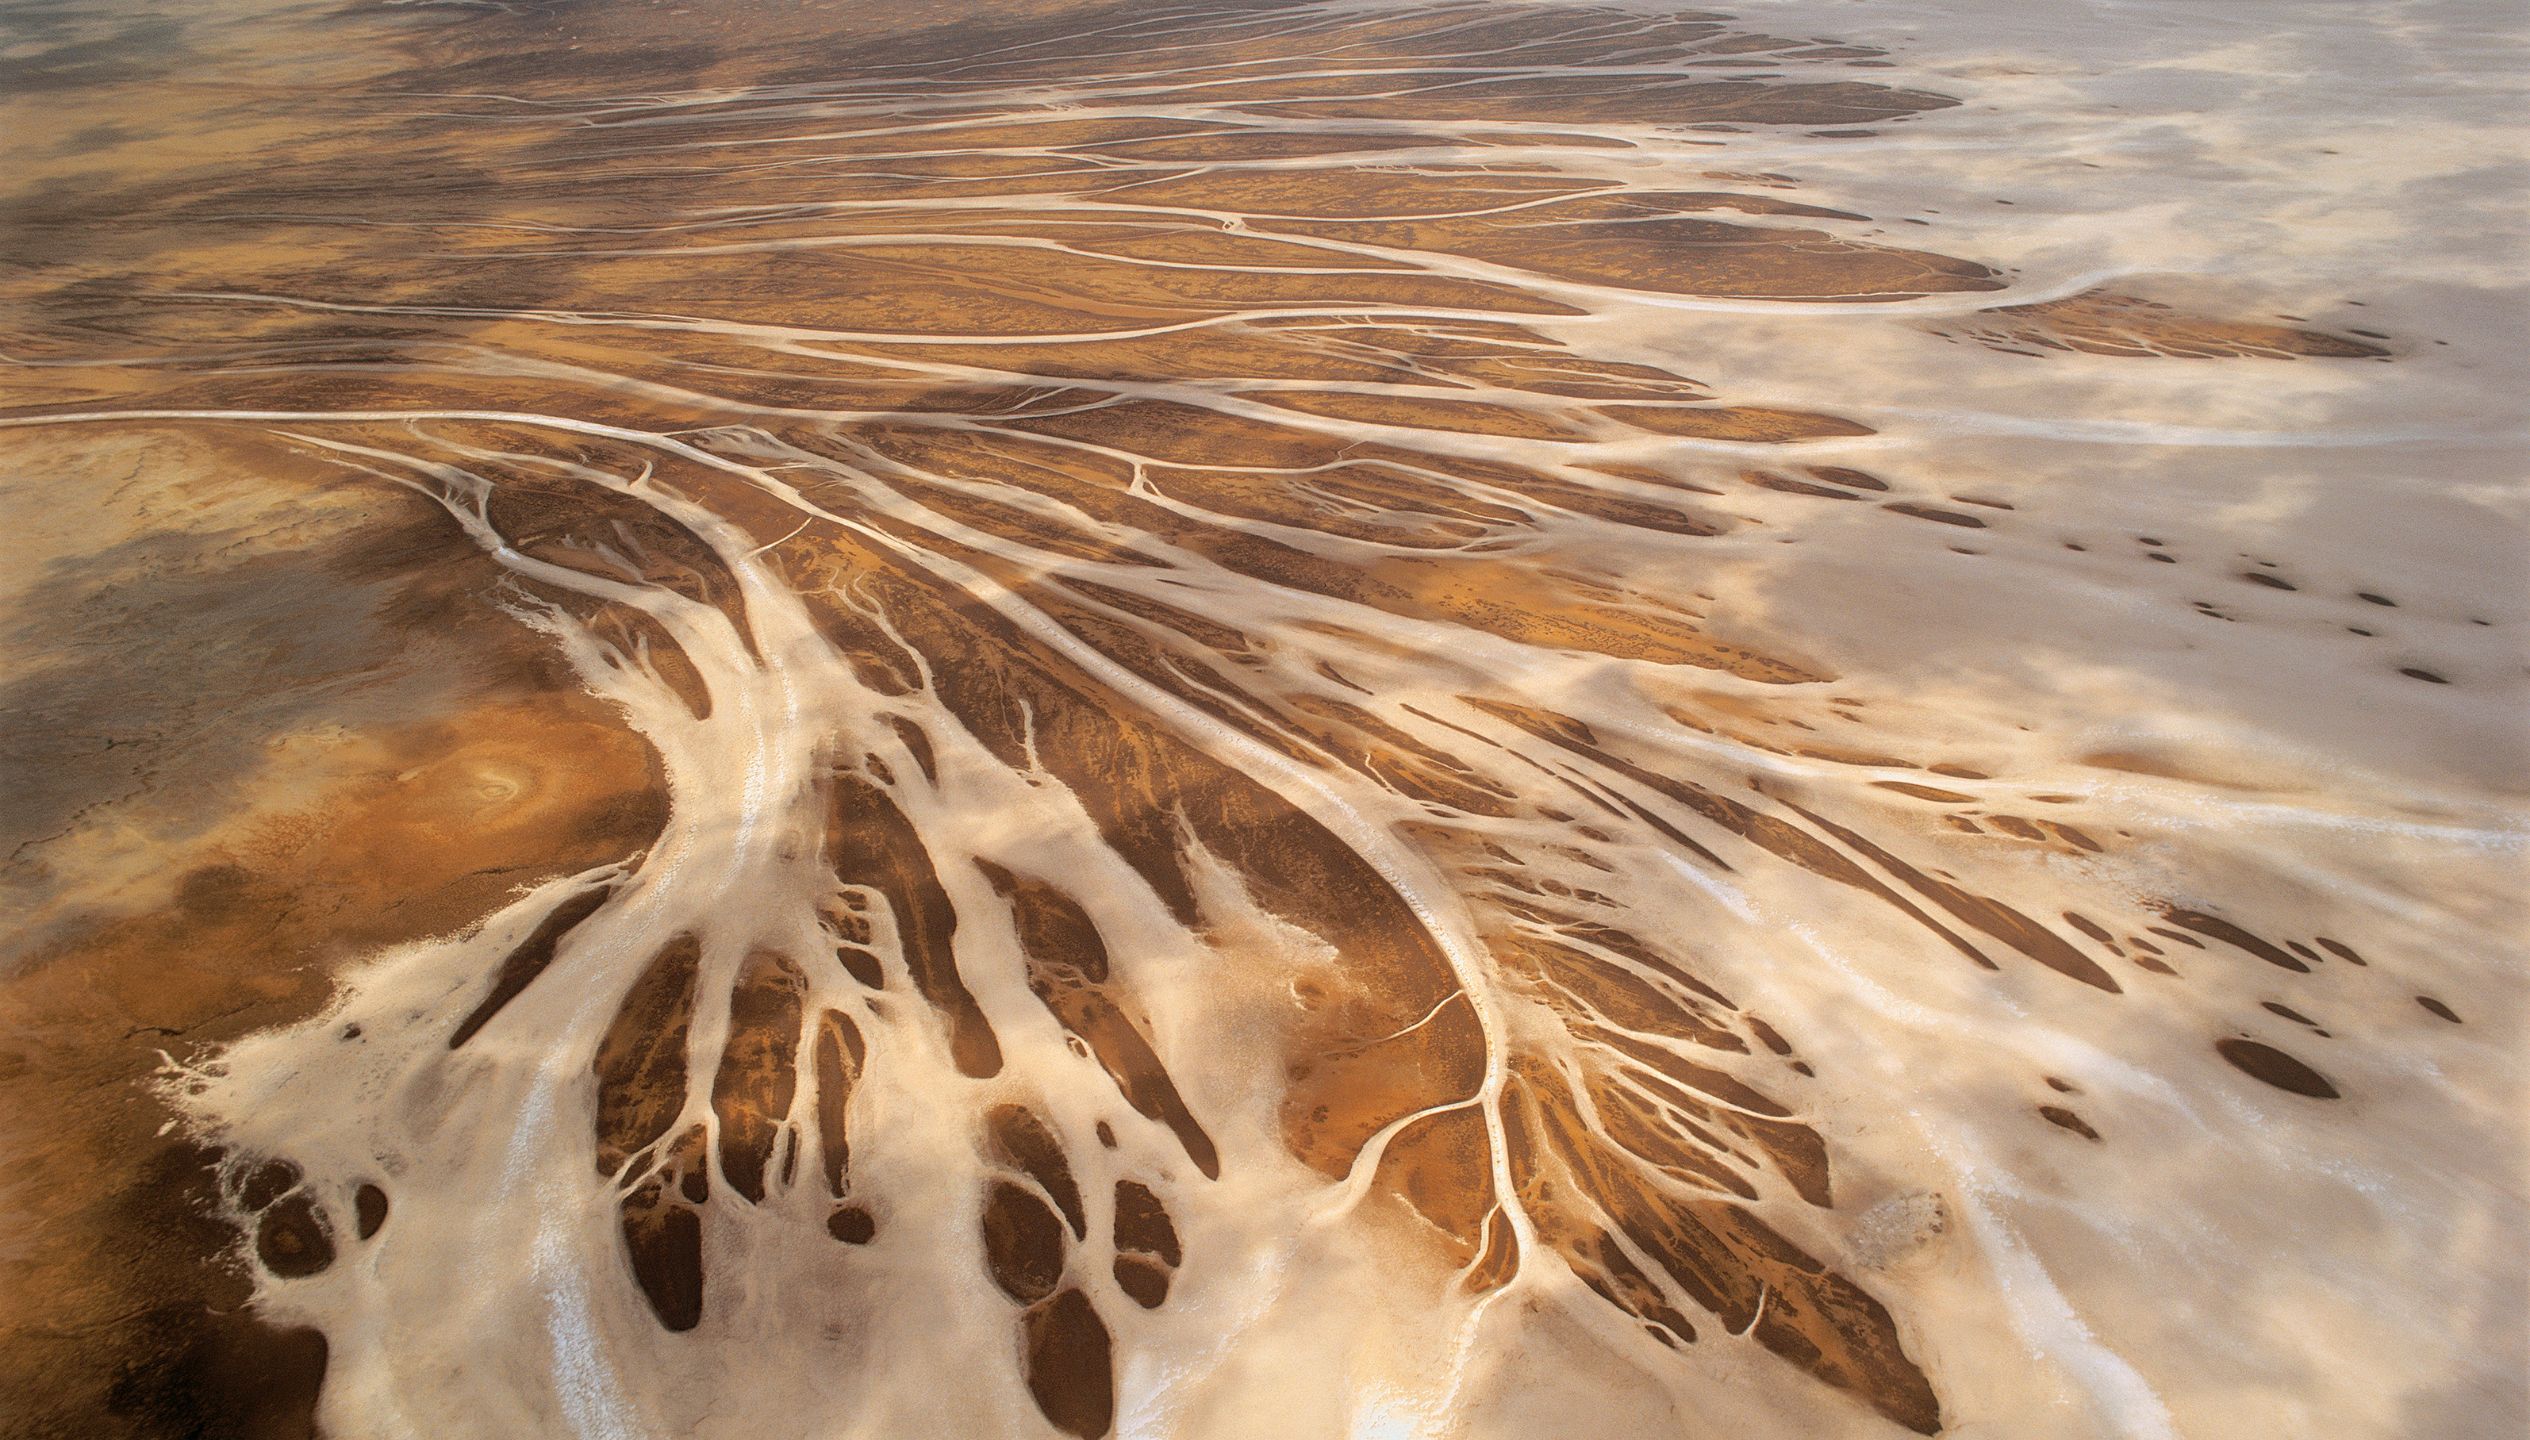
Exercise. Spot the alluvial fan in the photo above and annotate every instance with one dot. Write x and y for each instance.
(1062, 719)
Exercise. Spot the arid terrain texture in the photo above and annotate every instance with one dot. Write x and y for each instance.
(1239, 719)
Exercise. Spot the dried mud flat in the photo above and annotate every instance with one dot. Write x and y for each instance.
(1235, 719)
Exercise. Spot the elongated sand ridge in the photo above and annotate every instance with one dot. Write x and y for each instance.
(1234, 719)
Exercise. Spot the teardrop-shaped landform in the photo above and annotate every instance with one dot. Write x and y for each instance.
(292, 1239)
(369, 1209)
(841, 1053)
(525, 963)
(665, 1240)
(1018, 1139)
(1147, 1253)
(1070, 1365)
(852, 1225)
(2264, 1062)
(640, 1068)
(758, 1076)
(1023, 1242)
